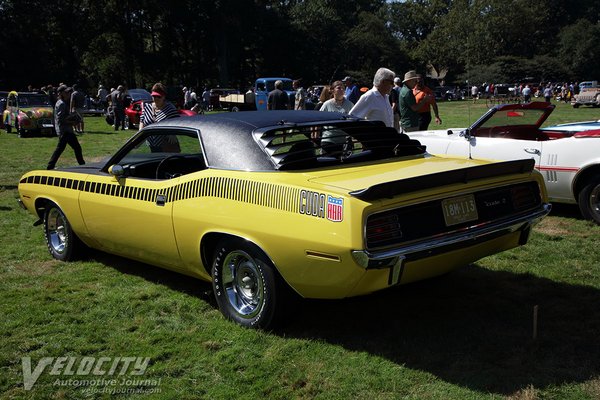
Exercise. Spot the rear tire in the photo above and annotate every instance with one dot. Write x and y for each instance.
(589, 200)
(63, 244)
(247, 287)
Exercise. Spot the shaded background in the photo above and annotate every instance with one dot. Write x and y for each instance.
(231, 42)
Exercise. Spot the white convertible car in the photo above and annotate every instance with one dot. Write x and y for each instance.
(567, 155)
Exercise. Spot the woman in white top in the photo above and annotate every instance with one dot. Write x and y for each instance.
(333, 140)
(339, 103)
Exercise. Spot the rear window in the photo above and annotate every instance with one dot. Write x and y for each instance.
(305, 147)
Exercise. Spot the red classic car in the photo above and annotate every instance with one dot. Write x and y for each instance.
(134, 112)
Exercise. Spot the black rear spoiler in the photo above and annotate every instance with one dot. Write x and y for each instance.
(463, 175)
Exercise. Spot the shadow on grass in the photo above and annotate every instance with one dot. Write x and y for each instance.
(566, 210)
(8, 187)
(171, 279)
(471, 328)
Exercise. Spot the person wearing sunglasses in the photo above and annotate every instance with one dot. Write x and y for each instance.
(160, 109)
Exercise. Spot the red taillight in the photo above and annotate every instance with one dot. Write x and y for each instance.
(382, 228)
(523, 197)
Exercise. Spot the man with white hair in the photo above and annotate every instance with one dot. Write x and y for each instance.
(278, 99)
(375, 105)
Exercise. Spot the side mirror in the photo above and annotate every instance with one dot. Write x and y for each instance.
(117, 171)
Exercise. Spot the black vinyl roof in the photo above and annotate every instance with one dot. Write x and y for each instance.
(266, 140)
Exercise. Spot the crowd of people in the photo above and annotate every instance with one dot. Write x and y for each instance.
(559, 91)
(404, 104)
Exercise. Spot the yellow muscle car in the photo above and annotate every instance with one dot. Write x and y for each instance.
(265, 204)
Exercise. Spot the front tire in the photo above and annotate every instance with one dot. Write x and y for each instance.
(247, 287)
(589, 200)
(63, 244)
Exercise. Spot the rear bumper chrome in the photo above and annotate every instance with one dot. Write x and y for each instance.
(395, 258)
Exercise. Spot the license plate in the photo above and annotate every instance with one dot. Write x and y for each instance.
(459, 209)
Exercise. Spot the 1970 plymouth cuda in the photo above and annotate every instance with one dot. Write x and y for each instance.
(262, 204)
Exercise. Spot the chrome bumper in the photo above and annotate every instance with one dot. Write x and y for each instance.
(395, 258)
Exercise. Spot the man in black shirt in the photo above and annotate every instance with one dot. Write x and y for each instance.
(278, 99)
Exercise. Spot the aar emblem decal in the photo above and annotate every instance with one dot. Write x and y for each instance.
(335, 209)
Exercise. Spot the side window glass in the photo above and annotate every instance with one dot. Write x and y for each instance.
(164, 154)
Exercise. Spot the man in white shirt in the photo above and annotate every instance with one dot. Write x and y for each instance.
(527, 94)
(375, 105)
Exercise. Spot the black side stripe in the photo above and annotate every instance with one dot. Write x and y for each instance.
(260, 193)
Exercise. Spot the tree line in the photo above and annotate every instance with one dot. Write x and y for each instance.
(232, 42)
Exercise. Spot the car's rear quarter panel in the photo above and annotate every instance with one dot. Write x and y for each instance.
(311, 252)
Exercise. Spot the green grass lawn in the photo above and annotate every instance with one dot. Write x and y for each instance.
(466, 335)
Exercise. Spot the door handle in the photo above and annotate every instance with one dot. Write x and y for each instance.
(532, 151)
(161, 200)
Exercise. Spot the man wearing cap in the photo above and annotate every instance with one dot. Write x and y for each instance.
(409, 115)
(352, 92)
(64, 128)
(375, 104)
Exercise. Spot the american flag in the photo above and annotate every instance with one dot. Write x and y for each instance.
(335, 209)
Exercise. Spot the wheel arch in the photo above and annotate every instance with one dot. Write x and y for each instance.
(208, 247)
(41, 203)
(583, 177)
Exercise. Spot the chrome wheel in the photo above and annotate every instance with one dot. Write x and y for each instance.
(63, 244)
(243, 283)
(57, 231)
(247, 287)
